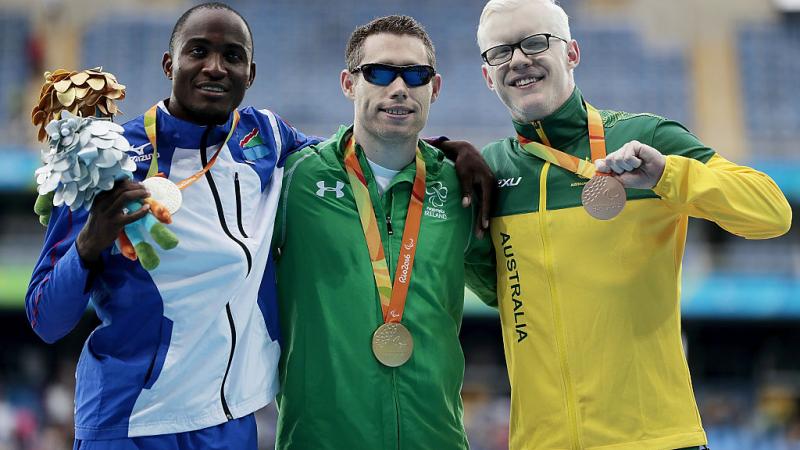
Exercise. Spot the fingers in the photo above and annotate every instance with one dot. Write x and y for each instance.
(124, 194)
(134, 216)
(626, 159)
(466, 180)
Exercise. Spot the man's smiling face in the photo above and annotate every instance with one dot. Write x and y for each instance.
(396, 111)
(531, 87)
(211, 66)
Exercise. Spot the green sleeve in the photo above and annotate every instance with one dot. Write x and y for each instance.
(279, 232)
(479, 270)
(672, 138)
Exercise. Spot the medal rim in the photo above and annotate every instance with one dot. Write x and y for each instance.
(383, 359)
(613, 212)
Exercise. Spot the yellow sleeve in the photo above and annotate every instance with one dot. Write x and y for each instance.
(740, 199)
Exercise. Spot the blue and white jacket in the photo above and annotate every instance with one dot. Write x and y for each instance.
(194, 342)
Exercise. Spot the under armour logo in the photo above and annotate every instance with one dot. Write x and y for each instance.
(323, 189)
(438, 194)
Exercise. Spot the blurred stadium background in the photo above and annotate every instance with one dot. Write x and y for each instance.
(728, 69)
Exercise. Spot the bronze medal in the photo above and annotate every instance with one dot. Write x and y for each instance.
(603, 197)
(392, 344)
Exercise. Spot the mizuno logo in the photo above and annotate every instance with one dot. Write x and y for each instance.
(322, 189)
(509, 182)
(138, 153)
(139, 150)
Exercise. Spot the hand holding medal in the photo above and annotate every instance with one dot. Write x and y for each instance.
(603, 196)
(636, 165)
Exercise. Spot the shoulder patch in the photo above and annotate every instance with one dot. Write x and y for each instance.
(610, 118)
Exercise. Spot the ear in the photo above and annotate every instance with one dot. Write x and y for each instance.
(348, 84)
(252, 74)
(166, 64)
(487, 77)
(573, 54)
(436, 83)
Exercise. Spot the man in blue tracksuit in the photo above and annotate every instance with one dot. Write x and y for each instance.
(187, 352)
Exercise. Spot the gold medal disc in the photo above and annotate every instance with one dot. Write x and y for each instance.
(392, 344)
(603, 197)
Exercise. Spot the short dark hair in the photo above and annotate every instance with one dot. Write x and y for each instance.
(399, 25)
(210, 5)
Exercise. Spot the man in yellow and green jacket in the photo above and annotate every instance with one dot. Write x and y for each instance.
(590, 309)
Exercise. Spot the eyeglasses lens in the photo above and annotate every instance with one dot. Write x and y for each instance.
(414, 76)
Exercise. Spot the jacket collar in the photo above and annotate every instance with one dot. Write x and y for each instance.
(563, 126)
(185, 134)
(433, 157)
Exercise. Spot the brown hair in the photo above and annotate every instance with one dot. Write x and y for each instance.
(399, 25)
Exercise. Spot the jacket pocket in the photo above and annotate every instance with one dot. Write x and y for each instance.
(161, 353)
(238, 191)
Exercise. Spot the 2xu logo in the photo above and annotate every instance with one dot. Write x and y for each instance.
(322, 189)
(509, 182)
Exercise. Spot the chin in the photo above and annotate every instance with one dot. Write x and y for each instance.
(213, 116)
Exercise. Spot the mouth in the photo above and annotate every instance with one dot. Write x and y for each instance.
(397, 111)
(212, 89)
(527, 81)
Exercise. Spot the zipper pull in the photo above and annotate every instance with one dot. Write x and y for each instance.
(389, 225)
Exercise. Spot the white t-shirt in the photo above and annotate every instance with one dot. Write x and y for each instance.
(383, 176)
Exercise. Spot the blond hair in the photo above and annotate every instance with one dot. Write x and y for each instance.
(493, 6)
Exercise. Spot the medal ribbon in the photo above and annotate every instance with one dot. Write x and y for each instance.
(583, 168)
(393, 297)
(150, 129)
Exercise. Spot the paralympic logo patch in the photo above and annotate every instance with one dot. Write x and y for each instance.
(253, 146)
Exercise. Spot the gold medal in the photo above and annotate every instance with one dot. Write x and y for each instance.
(392, 344)
(603, 197)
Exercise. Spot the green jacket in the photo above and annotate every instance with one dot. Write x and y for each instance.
(335, 394)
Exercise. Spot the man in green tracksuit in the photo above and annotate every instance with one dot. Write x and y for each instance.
(365, 216)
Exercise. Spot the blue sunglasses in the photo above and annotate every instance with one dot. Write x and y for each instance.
(384, 74)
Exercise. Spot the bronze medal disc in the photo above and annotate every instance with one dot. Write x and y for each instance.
(392, 344)
(603, 197)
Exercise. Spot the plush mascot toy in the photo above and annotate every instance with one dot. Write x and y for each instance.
(87, 155)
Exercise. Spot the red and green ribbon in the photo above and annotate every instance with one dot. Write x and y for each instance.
(393, 296)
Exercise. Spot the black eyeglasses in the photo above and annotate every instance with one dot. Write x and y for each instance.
(531, 45)
(384, 74)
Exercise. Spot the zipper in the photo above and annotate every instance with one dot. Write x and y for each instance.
(218, 202)
(224, 225)
(389, 261)
(560, 335)
(238, 190)
(225, 408)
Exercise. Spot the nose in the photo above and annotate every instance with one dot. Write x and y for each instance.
(215, 66)
(519, 59)
(398, 88)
